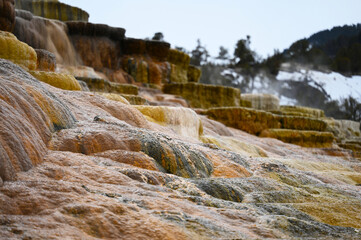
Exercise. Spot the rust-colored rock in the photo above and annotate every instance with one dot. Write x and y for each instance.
(46, 60)
(29, 113)
(7, 15)
(41, 33)
(246, 119)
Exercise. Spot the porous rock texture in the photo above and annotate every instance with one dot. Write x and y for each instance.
(194, 73)
(100, 169)
(88, 165)
(179, 66)
(7, 15)
(101, 85)
(249, 120)
(29, 114)
(42, 33)
(301, 137)
(302, 111)
(59, 80)
(46, 61)
(205, 96)
(145, 60)
(17, 52)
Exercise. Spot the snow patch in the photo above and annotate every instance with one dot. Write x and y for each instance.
(336, 85)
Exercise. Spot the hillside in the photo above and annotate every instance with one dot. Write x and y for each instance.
(104, 136)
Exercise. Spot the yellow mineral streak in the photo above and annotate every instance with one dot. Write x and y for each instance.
(183, 121)
(311, 139)
(114, 97)
(62, 81)
(235, 145)
(179, 66)
(302, 111)
(17, 52)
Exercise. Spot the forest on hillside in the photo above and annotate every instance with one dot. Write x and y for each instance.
(337, 50)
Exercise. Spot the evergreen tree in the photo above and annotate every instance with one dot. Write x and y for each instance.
(244, 57)
(223, 53)
(158, 36)
(200, 54)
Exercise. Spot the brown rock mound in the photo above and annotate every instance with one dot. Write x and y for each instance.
(46, 60)
(7, 15)
(29, 113)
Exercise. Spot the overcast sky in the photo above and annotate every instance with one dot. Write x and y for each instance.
(272, 24)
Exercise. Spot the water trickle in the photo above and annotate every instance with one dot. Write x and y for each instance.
(51, 35)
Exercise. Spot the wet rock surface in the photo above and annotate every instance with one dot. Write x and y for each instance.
(29, 114)
(90, 165)
(113, 174)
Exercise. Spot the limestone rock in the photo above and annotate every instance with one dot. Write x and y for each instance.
(246, 119)
(53, 10)
(100, 53)
(29, 114)
(101, 85)
(303, 138)
(302, 123)
(95, 30)
(80, 71)
(179, 66)
(302, 111)
(135, 100)
(157, 50)
(133, 46)
(17, 52)
(173, 155)
(183, 121)
(204, 96)
(137, 159)
(46, 60)
(266, 102)
(114, 97)
(194, 73)
(178, 58)
(7, 15)
(62, 81)
(41, 33)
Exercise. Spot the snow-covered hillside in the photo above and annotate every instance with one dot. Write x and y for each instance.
(288, 85)
(335, 85)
